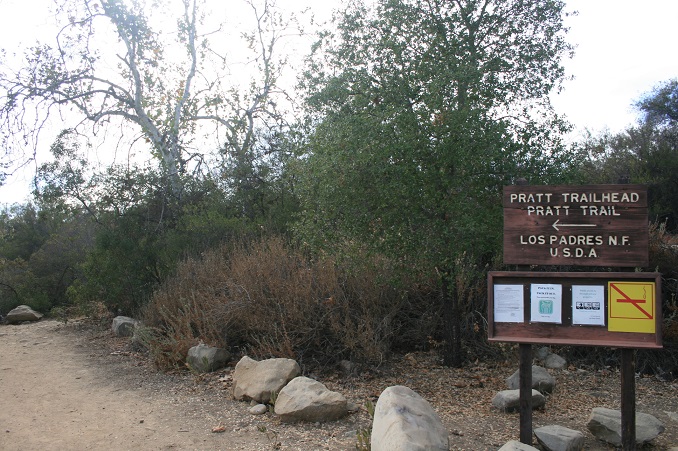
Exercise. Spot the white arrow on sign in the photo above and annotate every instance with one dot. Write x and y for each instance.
(555, 225)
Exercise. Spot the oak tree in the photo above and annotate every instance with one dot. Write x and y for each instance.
(420, 111)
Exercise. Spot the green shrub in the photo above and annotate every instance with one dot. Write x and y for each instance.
(20, 286)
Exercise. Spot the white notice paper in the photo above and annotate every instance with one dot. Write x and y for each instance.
(546, 303)
(588, 303)
(508, 304)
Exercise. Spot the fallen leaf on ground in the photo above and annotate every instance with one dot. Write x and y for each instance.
(218, 429)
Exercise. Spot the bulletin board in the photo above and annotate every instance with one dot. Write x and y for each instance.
(613, 309)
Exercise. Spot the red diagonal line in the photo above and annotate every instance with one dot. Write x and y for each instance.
(628, 300)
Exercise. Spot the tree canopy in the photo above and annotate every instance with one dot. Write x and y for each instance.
(112, 65)
(421, 111)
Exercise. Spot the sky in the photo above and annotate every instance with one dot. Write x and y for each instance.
(624, 48)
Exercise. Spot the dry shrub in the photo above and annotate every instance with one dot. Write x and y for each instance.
(269, 299)
(664, 258)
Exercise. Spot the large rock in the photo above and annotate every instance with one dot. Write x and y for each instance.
(541, 380)
(304, 399)
(22, 313)
(204, 359)
(123, 326)
(509, 400)
(258, 381)
(515, 445)
(559, 438)
(554, 361)
(605, 424)
(549, 359)
(404, 421)
(542, 353)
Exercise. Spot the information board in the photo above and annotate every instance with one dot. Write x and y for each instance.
(614, 309)
(584, 225)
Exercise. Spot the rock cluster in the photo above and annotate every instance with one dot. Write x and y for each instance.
(604, 424)
(543, 383)
(295, 398)
(262, 381)
(403, 420)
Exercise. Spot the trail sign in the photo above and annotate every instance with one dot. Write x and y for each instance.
(584, 225)
(589, 225)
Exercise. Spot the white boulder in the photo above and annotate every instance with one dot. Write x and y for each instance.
(304, 399)
(404, 421)
(260, 381)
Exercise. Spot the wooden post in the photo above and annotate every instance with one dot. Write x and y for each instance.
(525, 368)
(628, 399)
(526, 394)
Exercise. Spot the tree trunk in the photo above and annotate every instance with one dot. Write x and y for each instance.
(452, 354)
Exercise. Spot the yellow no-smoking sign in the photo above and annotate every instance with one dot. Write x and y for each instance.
(631, 307)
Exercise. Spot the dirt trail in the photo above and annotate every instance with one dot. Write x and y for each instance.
(56, 395)
(73, 388)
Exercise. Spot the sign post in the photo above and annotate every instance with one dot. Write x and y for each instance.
(588, 225)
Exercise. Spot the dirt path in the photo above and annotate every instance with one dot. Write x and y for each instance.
(73, 388)
(56, 395)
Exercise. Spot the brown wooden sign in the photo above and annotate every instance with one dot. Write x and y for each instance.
(583, 225)
(614, 309)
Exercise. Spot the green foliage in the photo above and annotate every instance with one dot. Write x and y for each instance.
(410, 143)
(40, 250)
(660, 106)
(420, 112)
(12, 279)
(364, 435)
(144, 231)
(23, 230)
(20, 286)
(137, 227)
